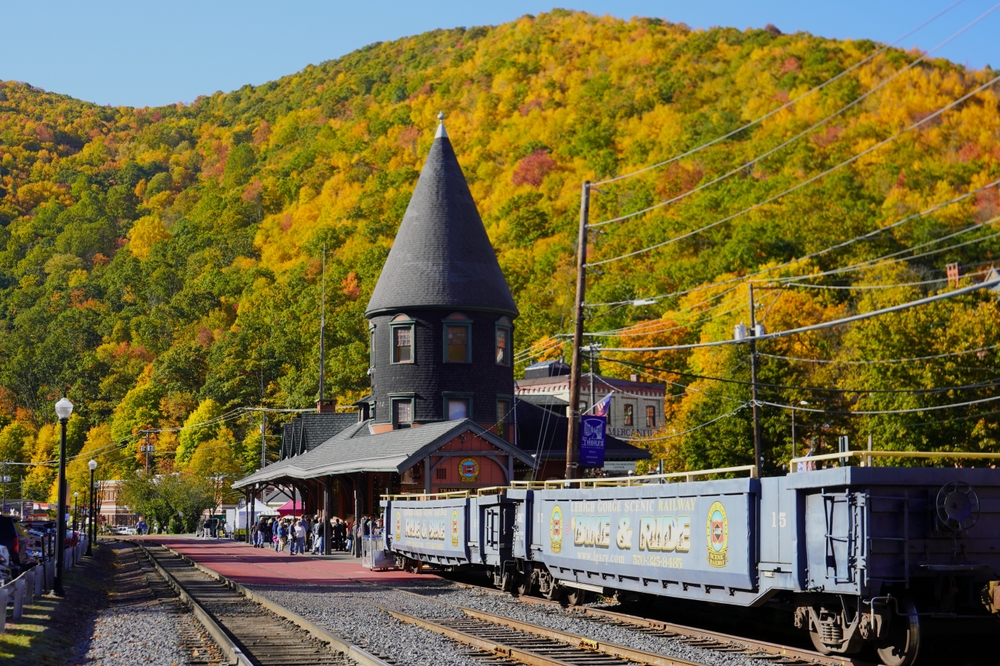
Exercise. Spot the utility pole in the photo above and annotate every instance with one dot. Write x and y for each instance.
(263, 440)
(753, 385)
(322, 330)
(147, 448)
(573, 431)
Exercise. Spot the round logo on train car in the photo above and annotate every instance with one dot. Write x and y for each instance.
(718, 535)
(468, 470)
(399, 527)
(556, 529)
(454, 528)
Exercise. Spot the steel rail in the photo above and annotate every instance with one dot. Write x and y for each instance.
(613, 649)
(219, 635)
(750, 647)
(531, 648)
(335, 642)
(703, 638)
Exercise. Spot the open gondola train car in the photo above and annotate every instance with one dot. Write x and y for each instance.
(858, 556)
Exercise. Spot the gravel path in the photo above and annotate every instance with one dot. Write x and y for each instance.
(351, 611)
(136, 627)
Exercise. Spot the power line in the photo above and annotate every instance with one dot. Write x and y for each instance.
(814, 389)
(891, 360)
(912, 410)
(816, 327)
(831, 248)
(865, 287)
(802, 184)
(697, 427)
(787, 104)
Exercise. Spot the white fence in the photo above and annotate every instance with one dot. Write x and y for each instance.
(35, 582)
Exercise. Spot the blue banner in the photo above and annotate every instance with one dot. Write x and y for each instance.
(592, 441)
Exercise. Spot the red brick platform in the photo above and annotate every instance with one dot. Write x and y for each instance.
(247, 565)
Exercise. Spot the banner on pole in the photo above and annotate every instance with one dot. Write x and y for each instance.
(592, 441)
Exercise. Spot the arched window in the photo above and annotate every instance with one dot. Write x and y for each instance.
(504, 341)
(401, 330)
(457, 339)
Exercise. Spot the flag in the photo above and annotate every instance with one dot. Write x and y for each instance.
(601, 408)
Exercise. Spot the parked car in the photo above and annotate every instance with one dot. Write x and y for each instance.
(24, 549)
(5, 575)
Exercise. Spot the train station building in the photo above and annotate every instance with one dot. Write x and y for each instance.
(442, 414)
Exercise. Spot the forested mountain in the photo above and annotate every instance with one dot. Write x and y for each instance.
(162, 265)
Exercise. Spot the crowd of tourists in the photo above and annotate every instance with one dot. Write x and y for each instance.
(304, 535)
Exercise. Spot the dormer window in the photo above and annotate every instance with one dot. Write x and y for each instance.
(401, 328)
(503, 341)
(457, 339)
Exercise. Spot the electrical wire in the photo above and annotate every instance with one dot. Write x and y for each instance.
(805, 182)
(865, 287)
(793, 139)
(995, 381)
(912, 410)
(697, 427)
(891, 360)
(784, 106)
(815, 327)
(829, 249)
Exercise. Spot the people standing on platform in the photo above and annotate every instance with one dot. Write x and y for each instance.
(317, 537)
(282, 533)
(339, 534)
(299, 534)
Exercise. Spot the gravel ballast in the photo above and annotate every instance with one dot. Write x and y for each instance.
(351, 610)
(136, 627)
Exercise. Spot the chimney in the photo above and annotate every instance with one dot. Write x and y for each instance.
(326, 406)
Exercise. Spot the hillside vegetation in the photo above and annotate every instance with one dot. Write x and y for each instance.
(161, 266)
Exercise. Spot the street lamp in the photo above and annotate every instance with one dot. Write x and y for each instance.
(63, 410)
(801, 402)
(76, 507)
(93, 510)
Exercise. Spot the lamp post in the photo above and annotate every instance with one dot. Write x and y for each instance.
(93, 510)
(794, 446)
(76, 507)
(63, 410)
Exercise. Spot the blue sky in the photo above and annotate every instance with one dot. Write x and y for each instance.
(140, 53)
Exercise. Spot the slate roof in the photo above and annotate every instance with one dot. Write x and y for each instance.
(442, 257)
(356, 449)
(308, 431)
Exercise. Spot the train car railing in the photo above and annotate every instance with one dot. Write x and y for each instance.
(867, 458)
(413, 497)
(645, 479)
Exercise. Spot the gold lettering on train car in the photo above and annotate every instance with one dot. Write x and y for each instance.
(591, 531)
(623, 539)
(665, 533)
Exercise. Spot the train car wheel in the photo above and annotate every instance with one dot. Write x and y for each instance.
(900, 647)
(523, 584)
(576, 597)
(555, 592)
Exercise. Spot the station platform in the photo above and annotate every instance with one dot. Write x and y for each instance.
(244, 564)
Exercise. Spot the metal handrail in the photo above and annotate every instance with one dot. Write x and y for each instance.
(867, 456)
(620, 481)
(456, 494)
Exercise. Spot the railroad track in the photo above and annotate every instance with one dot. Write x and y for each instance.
(193, 640)
(250, 633)
(500, 641)
(537, 646)
(774, 653)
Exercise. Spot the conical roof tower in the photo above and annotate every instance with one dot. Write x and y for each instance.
(441, 315)
(442, 256)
